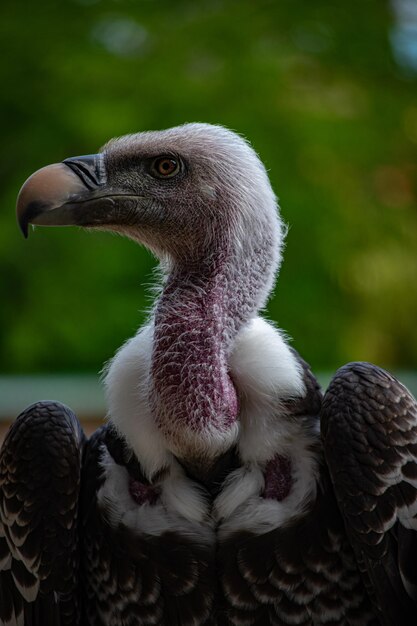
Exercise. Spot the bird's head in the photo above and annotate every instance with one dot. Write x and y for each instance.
(185, 193)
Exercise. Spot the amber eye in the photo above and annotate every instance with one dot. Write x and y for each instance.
(165, 167)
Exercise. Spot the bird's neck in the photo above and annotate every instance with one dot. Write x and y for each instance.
(197, 317)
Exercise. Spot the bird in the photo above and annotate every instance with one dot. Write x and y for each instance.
(224, 488)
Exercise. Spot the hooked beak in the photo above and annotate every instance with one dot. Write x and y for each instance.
(73, 192)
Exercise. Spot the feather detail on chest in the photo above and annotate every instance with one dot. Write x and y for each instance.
(278, 468)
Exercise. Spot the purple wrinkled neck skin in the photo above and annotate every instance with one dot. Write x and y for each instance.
(197, 318)
(193, 328)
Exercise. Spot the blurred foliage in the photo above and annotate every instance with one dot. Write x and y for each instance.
(316, 87)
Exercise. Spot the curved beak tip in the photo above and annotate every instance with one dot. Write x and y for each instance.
(47, 189)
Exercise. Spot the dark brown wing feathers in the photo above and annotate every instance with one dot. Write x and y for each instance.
(369, 426)
(40, 466)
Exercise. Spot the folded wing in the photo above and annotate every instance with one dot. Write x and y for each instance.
(369, 425)
(40, 464)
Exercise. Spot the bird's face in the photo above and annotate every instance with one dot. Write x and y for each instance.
(182, 192)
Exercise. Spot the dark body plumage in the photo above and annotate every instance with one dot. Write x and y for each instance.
(293, 575)
(222, 491)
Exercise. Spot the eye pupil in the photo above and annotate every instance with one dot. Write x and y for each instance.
(166, 166)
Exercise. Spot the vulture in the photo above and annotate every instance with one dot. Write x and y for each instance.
(223, 490)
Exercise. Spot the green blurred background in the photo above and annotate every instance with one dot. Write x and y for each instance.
(325, 91)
